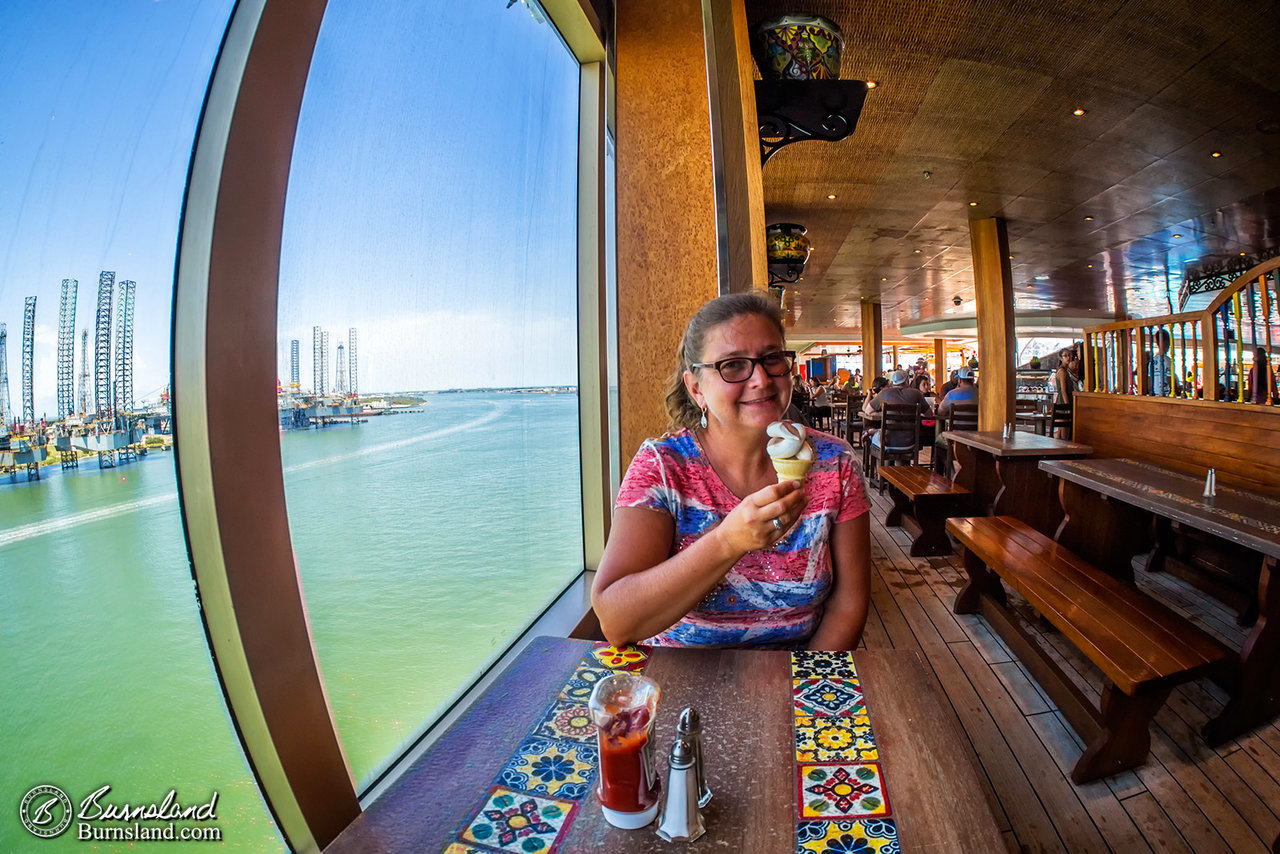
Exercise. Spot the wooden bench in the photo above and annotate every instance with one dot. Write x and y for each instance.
(1142, 648)
(922, 501)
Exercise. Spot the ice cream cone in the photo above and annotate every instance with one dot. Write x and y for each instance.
(790, 469)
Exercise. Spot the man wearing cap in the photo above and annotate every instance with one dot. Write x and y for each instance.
(898, 392)
(964, 392)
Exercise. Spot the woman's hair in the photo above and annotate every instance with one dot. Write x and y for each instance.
(681, 407)
(878, 384)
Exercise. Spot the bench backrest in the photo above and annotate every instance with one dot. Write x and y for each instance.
(1240, 441)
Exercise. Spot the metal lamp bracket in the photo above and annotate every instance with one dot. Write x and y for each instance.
(798, 110)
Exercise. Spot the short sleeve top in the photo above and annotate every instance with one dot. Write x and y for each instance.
(768, 598)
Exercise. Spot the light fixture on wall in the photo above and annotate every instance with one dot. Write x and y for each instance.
(801, 96)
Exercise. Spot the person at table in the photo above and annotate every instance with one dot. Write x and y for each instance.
(707, 548)
(1258, 387)
(964, 392)
(869, 413)
(898, 392)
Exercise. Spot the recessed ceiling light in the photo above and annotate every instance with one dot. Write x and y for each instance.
(917, 252)
(871, 84)
(1215, 153)
(973, 204)
(1090, 266)
(1241, 254)
(1079, 111)
(1176, 236)
(1088, 219)
(886, 278)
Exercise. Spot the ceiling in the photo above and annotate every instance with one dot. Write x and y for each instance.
(1106, 212)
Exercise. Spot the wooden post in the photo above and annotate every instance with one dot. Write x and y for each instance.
(939, 362)
(735, 141)
(871, 342)
(993, 288)
(663, 189)
(894, 358)
(1211, 357)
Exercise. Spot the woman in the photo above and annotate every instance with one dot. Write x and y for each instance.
(1261, 368)
(707, 548)
(1067, 378)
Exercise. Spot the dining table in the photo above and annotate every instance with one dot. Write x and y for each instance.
(1108, 506)
(802, 751)
(1001, 472)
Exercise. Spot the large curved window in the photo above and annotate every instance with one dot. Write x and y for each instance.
(107, 675)
(428, 363)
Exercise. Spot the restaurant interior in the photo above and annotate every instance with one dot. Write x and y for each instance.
(1073, 636)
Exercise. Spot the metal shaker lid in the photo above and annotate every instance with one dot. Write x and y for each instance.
(688, 723)
(681, 755)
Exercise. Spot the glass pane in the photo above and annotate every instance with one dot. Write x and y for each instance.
(107, 674)
(432, 209)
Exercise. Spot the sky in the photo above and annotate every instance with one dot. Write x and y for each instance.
(431, 203)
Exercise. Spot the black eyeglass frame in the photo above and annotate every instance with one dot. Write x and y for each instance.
(718, 365)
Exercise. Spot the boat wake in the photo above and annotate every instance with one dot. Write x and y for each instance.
(498, 409)
(11, 536)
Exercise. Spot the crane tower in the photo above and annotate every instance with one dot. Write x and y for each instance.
(84, 371)
(324, 362)
(28, 352)
(102, 346)
(351, 362)
(67, 348)
(315, 361)
(294, 373)
(6, 406)
(124, 349)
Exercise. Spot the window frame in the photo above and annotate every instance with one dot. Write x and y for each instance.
(230, 474)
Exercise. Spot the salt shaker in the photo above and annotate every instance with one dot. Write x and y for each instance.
(680, 820)
(689, 727)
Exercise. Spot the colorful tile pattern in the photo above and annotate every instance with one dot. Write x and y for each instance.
(512, 821)
(535, 798)
(561, 769)
(825, 739)
(874, 836)
(842, 800)
(837, 790)
(828, 696)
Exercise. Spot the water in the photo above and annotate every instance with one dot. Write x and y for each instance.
(425, 542)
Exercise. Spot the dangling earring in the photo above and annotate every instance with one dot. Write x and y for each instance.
(704, 418)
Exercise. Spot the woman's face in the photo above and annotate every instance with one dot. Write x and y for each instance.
(755, 403)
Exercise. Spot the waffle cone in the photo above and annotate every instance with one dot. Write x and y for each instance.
(791, 469)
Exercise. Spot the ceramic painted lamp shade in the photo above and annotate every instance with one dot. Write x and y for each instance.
(797, 47)
(785, 243)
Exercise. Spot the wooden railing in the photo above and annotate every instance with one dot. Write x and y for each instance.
(1214, 354)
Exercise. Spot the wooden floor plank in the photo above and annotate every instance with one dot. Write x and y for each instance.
(1157, 830)
(1108, 814)
(1020, 686)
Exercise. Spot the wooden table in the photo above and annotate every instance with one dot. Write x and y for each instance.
(745, 701)
(1002, 473)
(1107, 506)
(1039, 421)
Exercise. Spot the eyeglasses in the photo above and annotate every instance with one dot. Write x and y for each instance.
(738, 369)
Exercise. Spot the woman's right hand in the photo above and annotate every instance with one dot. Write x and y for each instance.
(749, 527)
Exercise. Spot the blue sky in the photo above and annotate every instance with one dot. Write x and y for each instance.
(431, 203)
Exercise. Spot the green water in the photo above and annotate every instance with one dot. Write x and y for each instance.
(425, 541)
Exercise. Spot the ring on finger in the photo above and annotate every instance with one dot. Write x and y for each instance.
(777, 523)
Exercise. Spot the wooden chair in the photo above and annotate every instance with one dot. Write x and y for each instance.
(1061, 419)
(961, 416)
(854, 423)
(899, 438)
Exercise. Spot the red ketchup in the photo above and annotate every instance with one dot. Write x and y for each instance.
(622, 707)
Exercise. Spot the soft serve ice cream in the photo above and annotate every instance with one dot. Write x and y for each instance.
(789, 450)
